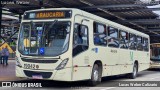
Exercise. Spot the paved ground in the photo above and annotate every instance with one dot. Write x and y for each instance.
(7, 73)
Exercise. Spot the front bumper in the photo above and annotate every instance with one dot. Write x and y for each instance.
(58, 75)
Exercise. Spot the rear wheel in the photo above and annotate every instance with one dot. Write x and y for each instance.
(133, 75)
(96, 75)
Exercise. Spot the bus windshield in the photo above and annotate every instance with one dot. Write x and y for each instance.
(155, 54)
(44, 38)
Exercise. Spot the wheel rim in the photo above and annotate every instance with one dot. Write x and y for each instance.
(134, 70)
(95, 75)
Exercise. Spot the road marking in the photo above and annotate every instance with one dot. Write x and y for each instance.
(108, 88)
(154, 78)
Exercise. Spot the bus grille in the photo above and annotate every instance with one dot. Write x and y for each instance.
(39, 61)
(44, 74)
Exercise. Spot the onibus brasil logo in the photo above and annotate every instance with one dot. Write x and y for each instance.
(15, 84)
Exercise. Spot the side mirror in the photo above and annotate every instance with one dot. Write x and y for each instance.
(84, 20)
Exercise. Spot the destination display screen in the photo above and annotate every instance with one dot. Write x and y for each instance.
(48, 14)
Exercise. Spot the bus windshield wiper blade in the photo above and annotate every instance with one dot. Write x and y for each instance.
(47, 30)
(32, 25)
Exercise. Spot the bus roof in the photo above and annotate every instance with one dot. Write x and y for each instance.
(100, 19)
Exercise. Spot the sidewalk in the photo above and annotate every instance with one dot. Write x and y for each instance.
(7, 73)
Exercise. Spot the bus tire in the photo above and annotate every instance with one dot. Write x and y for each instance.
(133, 75)
(95, 76)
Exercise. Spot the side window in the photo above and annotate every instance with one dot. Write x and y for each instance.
(133, 42)
(84, 35)
(77, 37)
(99, 34)
(80, 39)
(123, 39)
(139, 43)
(145, 44)
(113, 40)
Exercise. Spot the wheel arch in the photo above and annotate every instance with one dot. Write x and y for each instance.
(136, 62)
(99, 62)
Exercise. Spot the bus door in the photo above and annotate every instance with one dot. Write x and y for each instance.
(80, 51)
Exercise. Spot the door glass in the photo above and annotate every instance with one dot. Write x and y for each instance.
(80, 39)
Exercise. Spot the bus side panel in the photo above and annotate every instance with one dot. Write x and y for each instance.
(82, 66)
(107, 60)
(126, 61)
(137, 57)
(102, 54)
(112, 60)
(143, 59)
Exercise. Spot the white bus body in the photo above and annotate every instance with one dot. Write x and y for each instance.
(112, 54)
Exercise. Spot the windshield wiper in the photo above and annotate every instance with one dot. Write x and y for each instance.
(32, 25)
(50, 26)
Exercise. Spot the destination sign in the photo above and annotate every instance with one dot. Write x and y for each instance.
(48, 14)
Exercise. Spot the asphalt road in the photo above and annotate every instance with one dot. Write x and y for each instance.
(148, 77)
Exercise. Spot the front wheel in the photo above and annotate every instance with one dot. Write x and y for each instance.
(96, 75)
(133, 75)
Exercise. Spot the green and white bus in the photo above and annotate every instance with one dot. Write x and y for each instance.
(67, 44)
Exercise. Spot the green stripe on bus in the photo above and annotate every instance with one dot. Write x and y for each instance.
(131, 56)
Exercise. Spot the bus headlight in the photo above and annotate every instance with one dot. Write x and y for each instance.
(17, 62)
(62, 64)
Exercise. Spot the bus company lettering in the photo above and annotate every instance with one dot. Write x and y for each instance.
(50, 15)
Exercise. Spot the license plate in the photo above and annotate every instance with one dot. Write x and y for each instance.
(37, 77)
